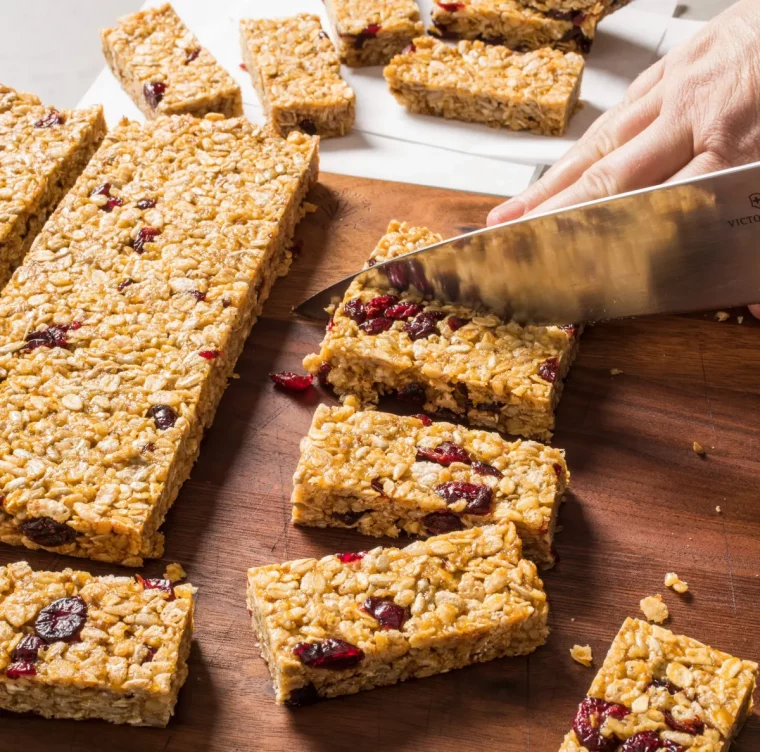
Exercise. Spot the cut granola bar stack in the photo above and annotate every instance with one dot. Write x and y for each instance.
(120, 330)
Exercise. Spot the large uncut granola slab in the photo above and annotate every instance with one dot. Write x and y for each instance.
(77, 646)
(475, 82)
(296, 72)
(383, 474)
(350, 622)
(42, 152)
(521, 24)
(445, 358)
(120, 330)
(164, 69)
(661, 691)
(370, 32)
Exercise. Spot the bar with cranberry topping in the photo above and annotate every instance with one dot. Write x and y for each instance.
(350, 622)
(662, 691)
(77, 646)
(371, 33)
(121, 328)
(164, 69)
(42, 152)
(475, 82)
(296, 73)
(383, 474)
(444, 359)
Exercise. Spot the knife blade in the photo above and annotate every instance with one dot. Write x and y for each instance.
(685, 246)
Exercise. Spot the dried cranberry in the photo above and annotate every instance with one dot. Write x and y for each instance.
(437, 523)
(149, 447)
(389, 615)
(192, 55)
(292, 381)
(111, 204)
(53, 336)
(198, 295)
(549, 369)
(102, 190)
(146, 203)
(322, 34)
(376, 326)
(52, 118)
(570, 329)
(163, 416)
(423, 325)
(376, 307)
(62, 620)
(350, 558)
(649, 741)
(308, 126)
(694, 726)
(47, 532)
(244, 67)
(20, 668)
(591, 715)
(306, 695)
(414, 393)
(27, 650)
(377, 484)
(125, 284)
(478, 497)
(557, 469)
(154, 93)
(210, 354)
(665, 684)
(423, 419)
(409, 49)
(332, 653)
(151, 655)
(323, 372)
(444, 454)
(450, 7)
(157, 583)
(349, 518)
(226, 302)
(455, 323)
(355, 310)
(145, 235)
(482, 468)
(369, 32)
(403, 311)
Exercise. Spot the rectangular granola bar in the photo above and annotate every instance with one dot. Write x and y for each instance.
(164, 69)
(479, 83)
(296, 72)
(659, 690)
(446, 358)
(120, 330)
(384, 474)
(42, 152)
(370, 32)
(77, 646)
(521, 24)
(351, 622)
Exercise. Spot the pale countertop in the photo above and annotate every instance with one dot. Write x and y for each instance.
(52, 48)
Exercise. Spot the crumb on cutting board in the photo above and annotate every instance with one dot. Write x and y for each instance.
(740, 319)
(673, 581)
(654, 608)
(615, 372)
(722, 316)
(699, 449)
(717, 509)
(174, 572)
(582, 654)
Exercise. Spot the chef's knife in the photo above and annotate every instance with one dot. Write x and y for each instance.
(687, 246)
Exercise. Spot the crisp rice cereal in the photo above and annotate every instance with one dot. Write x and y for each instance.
(654, 608)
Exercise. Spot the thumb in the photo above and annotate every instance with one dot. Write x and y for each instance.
(755, 311)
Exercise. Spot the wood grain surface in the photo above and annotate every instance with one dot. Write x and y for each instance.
(642, 504)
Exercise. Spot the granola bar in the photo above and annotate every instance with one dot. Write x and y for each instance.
(120, 330)
(383, 474)
(371, 32)
(350, 622)
(520, 24)
(164, 69)
(475, 82)
(42, 151)
(77, 646)
(445, 358)
(658, 690)
(296, 72)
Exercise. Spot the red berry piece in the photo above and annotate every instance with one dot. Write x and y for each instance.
(47, 532)
(350, 558)
(111, 204)
(377, 306)
(694, 726)
(308, 126)
(292, 381)
(456, 323)
(389, 615)
(198, 295)
(157, 583)
(332, 653)
(549, 369)
(62, 620)
(444, 454)
(450, 7)
(377, 484)
(226, 302)
(52, 118)
(27, 650)
(403, 311)
(591, 715)
(150, 656)
(306, 695)
(145, 235)
(102, 190)
(53, 336)
(146, 203)
(349, 518)
(409, 49)
(125, 284)
(163, 416)
(437, 523)
(423, 419)
(244, 67)
(557, 469)
(483, 468)
(649, 741)
(210, 354)
(423, 325)
(323, 372)
(20, 668)
(413, 393)
(376, 326)
(154, 93)
(570, 329)
(192, 55)
(355, 310)
(372, 30)
(478, 497)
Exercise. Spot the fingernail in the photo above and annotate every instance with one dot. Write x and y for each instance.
(506, 212)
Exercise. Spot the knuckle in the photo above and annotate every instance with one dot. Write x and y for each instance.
(598, 181)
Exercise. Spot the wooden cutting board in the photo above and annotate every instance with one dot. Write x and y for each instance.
(642, 504)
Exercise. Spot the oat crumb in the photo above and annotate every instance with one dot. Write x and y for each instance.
(174, 572)
(717, 509)
(615, 372)
(309, 208)
(740, 319)
(654, 608)
(672, 580)
(235, 376)
(699, 449)
(582, 654)
(722, 316)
